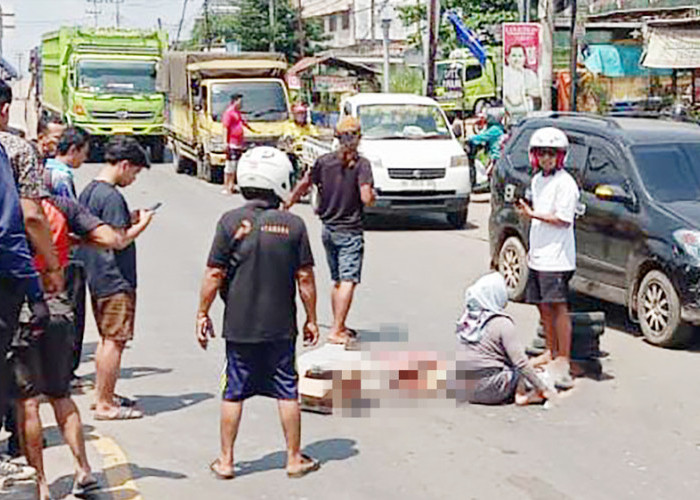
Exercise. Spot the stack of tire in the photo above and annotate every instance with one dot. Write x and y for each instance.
(586, 329)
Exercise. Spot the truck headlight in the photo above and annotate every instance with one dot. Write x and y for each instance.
(688, 241)
(459, 161)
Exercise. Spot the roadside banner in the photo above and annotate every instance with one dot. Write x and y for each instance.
(521, 57)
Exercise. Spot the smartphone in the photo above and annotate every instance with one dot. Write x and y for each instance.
(155, 207)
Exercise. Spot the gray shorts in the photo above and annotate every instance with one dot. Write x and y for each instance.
(491, 386)
(344, 253)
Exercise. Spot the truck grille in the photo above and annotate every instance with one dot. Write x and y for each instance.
(122, 115)
(416, 173)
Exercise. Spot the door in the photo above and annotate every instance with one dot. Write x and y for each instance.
(607, 230)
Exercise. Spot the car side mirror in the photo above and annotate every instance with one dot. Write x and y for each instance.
(614, 193)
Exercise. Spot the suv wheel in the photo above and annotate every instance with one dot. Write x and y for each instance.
(659, 311)
(512, 264)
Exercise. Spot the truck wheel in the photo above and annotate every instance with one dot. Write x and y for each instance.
(512, 264)
(659, 312)
(157, 150)
(182, 165)
(458, 220)
(480, 106)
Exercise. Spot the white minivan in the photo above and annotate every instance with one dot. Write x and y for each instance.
(417, 162)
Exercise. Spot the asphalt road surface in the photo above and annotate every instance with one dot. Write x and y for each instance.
(634, 434)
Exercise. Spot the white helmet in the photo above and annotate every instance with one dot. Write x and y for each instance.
(549, 137)
(266, 167)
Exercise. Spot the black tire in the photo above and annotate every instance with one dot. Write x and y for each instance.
(480, 105)
(512, 264)
(157, 150)
(458, 220)
(659, 312)
(588, 318)
(182, 164)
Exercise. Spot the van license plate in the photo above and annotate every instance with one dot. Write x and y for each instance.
(419, 184)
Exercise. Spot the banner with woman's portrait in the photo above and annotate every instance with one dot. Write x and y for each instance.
(521, 56)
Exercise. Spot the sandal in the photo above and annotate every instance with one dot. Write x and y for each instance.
(219, 475)
(123, 413)
(310, 465)
(85, 489)
(118, 401)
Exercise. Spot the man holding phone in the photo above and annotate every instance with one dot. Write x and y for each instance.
(259, 256)
(112, 274)
(552, 254)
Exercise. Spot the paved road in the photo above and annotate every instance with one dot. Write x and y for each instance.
(634, 435)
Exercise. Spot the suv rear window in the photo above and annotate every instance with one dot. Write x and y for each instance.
(670, 172)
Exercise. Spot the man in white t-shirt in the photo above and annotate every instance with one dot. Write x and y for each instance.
(552, 255)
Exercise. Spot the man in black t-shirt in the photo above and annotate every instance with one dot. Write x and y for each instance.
(259, 256)
(111, 275)
(345, 184)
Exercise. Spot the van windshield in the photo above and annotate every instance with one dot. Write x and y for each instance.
(670, 172)
(262, 101)
(402, 121)
(121, 77)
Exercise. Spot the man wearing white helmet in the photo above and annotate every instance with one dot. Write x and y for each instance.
(552, 253)
(259, 256)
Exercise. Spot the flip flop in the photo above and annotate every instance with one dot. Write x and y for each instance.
(86, 489)
(123, 413)
(218, 475)
(310, 466)
(118, 401)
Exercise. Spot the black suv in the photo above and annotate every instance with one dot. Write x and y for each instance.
(638, 223)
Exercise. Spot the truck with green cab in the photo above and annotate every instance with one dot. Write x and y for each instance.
(464, 86)
(103, 81)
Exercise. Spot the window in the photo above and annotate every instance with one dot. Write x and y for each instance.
(670, 172)
(332, 23)
(472, 72)
(519, 152)
(601, 169)
(576, 159)
(346, 20)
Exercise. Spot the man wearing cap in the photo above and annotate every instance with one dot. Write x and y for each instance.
(345, 184)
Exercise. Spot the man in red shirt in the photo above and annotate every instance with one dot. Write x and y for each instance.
(233, 123)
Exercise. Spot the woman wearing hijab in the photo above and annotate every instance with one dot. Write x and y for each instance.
(492, 365)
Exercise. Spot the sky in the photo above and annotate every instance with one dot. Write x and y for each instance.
(33, 18)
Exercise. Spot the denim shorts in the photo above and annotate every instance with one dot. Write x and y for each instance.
(344, 253)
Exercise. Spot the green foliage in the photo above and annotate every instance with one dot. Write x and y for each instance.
(251, 29)
(405, 79)
(476, 14)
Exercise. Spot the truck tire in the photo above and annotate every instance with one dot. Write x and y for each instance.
(182, 165)
(480, 106)
(512, 264)
(157, 149)
(659, 312)
(458, 219)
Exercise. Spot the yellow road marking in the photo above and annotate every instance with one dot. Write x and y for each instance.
(116, 469)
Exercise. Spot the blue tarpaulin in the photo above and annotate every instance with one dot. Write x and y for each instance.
(468, 38)
(618, 61)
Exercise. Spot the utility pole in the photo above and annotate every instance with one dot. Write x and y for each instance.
(117, 13)
(94, 11)
(386, 24)
(207, 34)
(574, 54)
(272, 25)
(545, 13)
(7, 22)
(371, 20)
(182, 20)
(302, 33)
(433, 28)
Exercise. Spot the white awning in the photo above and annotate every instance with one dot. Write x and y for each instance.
(672, 47)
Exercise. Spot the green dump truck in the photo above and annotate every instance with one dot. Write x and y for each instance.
(103, 81)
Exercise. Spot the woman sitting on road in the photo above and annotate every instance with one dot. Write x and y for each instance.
(492, 367)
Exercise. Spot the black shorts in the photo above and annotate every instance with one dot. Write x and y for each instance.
(547, 287)
(261, 369)
(44, 365)
(233, 154)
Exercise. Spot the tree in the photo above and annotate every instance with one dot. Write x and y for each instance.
(250, 27)
(478, 15)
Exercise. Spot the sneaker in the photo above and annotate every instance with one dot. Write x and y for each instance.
(10, 471)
